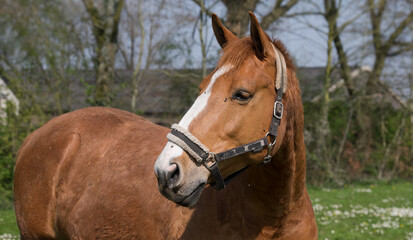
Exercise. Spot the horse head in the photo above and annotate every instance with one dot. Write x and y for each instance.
(234, 123)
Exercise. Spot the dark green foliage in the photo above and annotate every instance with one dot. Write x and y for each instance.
(185, 87)
(348, 165)
(6, 174)
(90, 90)
(8, 143)
(8, 138)
(12, 135)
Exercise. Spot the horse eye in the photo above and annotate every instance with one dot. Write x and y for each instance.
(242, 96)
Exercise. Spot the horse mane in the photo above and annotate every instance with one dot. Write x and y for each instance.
(235, 52)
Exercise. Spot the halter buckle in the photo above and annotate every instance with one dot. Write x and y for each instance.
(210, 161)
(278, 109)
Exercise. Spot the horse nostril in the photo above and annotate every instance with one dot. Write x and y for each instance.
(172, 175)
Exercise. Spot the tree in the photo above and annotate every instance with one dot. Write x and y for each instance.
(323, 127)
(237, 10)
(362, 101)
(105, 21)
(147, 27)
(385, 44)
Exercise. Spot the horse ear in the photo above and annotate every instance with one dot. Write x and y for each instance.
(262, 45)
(222, 34)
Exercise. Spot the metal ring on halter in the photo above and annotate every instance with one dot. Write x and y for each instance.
(273, 143)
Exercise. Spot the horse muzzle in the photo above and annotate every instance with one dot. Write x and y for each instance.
(179, 179)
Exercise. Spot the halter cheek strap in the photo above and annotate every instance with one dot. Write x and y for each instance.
(201, 154)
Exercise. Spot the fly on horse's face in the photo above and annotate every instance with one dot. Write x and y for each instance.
(234, 107)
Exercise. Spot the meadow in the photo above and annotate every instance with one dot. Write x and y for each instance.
(356, 211)
(364, 211)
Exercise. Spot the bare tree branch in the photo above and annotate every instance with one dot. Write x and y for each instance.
(305, 13)
(399, 29)
(200, 4)
(399, 51)
(391, 93)
(277, 12)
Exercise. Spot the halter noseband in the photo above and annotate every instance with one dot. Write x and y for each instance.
(184, 139)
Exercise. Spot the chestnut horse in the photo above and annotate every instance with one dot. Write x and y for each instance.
(89, 174)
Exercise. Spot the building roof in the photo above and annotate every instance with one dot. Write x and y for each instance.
(160, 92)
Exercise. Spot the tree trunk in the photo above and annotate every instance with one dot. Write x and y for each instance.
(364, 110)
(105, 73)
(237, 15)
(323, 127)
(382, 48)
(236, 19)
(137, 74)
(411, 108)
(201, 38)
(105, 21)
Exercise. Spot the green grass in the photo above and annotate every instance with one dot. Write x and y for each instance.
(359, 211)
(377, 211)
(8, 225)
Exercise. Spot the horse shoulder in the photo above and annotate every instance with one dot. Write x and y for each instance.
(35, 177)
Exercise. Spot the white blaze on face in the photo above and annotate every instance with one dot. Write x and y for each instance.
(172, 150)
(202, 100)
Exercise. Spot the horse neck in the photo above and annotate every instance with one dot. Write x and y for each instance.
(279, 187)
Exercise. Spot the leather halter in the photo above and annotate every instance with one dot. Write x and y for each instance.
(201, 154)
